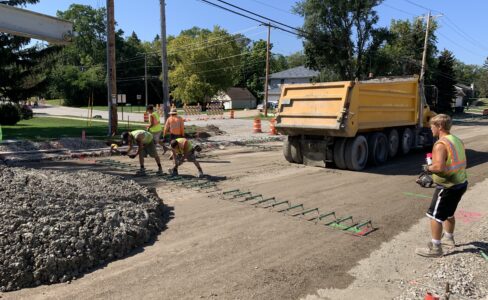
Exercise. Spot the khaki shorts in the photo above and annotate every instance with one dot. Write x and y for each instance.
(156, 137)
(190, 157)
(149, 149)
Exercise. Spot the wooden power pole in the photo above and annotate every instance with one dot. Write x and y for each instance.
(267, 73)
(164, 61)
(111, 69)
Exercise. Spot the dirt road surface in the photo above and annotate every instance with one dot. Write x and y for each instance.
(221, 249)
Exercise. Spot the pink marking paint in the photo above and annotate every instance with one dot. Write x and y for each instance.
(468, 216)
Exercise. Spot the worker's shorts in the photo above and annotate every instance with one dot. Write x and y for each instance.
(445, 202)
(149, 149)
(156, 137)
(174, 136)
(190, 157)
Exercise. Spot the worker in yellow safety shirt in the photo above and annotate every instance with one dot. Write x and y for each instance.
(145, 146)
(184, 150)
(449, 174)
(154, 126)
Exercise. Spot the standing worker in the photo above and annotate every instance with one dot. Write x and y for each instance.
(154, 126)
(184, 150)
(449, 174)
(145, 146)
(174, 125)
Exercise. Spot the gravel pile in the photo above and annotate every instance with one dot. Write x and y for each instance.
(64, 143)
(463, 268)
(54, 226)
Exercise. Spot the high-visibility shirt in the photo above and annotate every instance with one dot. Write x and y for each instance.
(148, 137)
(455, 172)
(175, 126)
(184, 146)
(156, 127)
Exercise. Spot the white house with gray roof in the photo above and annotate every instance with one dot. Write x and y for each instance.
(299, 74)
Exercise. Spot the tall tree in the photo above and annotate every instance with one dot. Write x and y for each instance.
(338, 34)
(445, 80)
(22, 67)
(296, 59)
(482, 83)
(253, 69)
(202, 62)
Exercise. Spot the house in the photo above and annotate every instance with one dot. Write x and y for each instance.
(299, 74)
(236, 98)
(463, 94)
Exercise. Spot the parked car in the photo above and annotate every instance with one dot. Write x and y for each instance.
(271, 105)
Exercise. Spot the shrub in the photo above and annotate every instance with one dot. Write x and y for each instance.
(26, 112)
(10, 113)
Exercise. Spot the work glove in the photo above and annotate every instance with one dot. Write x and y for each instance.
(425, 168)
(425, 180)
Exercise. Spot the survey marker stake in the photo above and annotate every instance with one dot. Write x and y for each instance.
(251, 198)
(302, 213)
(361, 229)
(277, 203)
(265, 200)
(291, 207)
(323, 216)
(337, 223)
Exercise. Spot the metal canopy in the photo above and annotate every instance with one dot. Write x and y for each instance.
(30, 24)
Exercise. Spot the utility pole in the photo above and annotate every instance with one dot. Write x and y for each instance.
(424, 55)
(164, 61)
(111, 70)
(267, 74)
(145, 77)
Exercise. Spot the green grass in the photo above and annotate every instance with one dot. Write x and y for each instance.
(43, 128)
(261, 116)
(55, 102)
(135, 108)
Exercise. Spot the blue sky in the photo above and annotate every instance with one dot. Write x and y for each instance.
(462, 28)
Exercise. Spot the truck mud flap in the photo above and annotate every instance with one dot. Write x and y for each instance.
(314, 153)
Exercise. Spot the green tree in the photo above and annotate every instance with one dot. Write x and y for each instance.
(482, 83)
(296, 59)
(338, 34)
(22, 67)
(202, 62)
(445, 80)
(253, 69)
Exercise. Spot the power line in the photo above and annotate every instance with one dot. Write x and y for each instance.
(423, 7)
(274, 7)
(400, 10)
(464, 35)
(459, 45)
(249, 17)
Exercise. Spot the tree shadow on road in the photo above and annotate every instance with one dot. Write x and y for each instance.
(471, 247)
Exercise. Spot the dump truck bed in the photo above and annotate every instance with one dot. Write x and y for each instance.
(345, 108)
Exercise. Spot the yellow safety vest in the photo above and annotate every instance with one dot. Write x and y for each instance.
(157, 127)
(148, 137)
(455, 172)
(184, 146)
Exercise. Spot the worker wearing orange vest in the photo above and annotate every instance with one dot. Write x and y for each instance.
(449, 174)
(184, 150)
(175, 126)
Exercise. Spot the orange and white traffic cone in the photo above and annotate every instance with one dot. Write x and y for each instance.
(272, 127)
(232, 114)
(257, 125)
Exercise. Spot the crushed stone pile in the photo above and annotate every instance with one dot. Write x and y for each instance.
(464, 268)
(63, 143)
(54, 226)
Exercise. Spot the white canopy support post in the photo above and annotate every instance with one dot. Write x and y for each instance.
(30, 24)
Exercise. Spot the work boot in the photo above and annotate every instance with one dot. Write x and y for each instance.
(200, 174)
(431, 250)
(159, 172)
(448, 242)
(141, 172)
(173, 172)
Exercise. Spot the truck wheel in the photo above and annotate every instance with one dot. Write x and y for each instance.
(287, 151)
(356, 153)
(339, 152)
(406, 141)
(296, 153)
(378, 148)
(393, 142)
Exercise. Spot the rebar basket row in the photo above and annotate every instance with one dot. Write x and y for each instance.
(183, 181)
(329, 219)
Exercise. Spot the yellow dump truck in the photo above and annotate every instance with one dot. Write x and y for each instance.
(352, 123)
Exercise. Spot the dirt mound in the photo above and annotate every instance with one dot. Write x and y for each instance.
(54, 226)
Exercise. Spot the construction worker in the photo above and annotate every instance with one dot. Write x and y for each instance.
(154, 126)
(175, 126)
(184, 150)
(145, 146)
(448, 170)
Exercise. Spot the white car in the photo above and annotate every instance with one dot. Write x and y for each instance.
(271, 105)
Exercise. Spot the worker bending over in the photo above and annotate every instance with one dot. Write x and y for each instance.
(145, 146)
(184, 150)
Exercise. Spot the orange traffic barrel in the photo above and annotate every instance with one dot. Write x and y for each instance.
(257, 125)
(146, 117)
(272, 127)
(232, 114)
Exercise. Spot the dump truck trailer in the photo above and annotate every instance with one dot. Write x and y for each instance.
(350, 124)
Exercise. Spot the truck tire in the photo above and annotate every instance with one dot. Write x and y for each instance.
(287, 151)
(356, 153)
(406, 141)
(378, 148)
(339, 153)
(393, 142)
(296, 153)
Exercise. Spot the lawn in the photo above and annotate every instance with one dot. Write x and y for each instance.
(44, 128)
(135, 108)
(41, 128)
